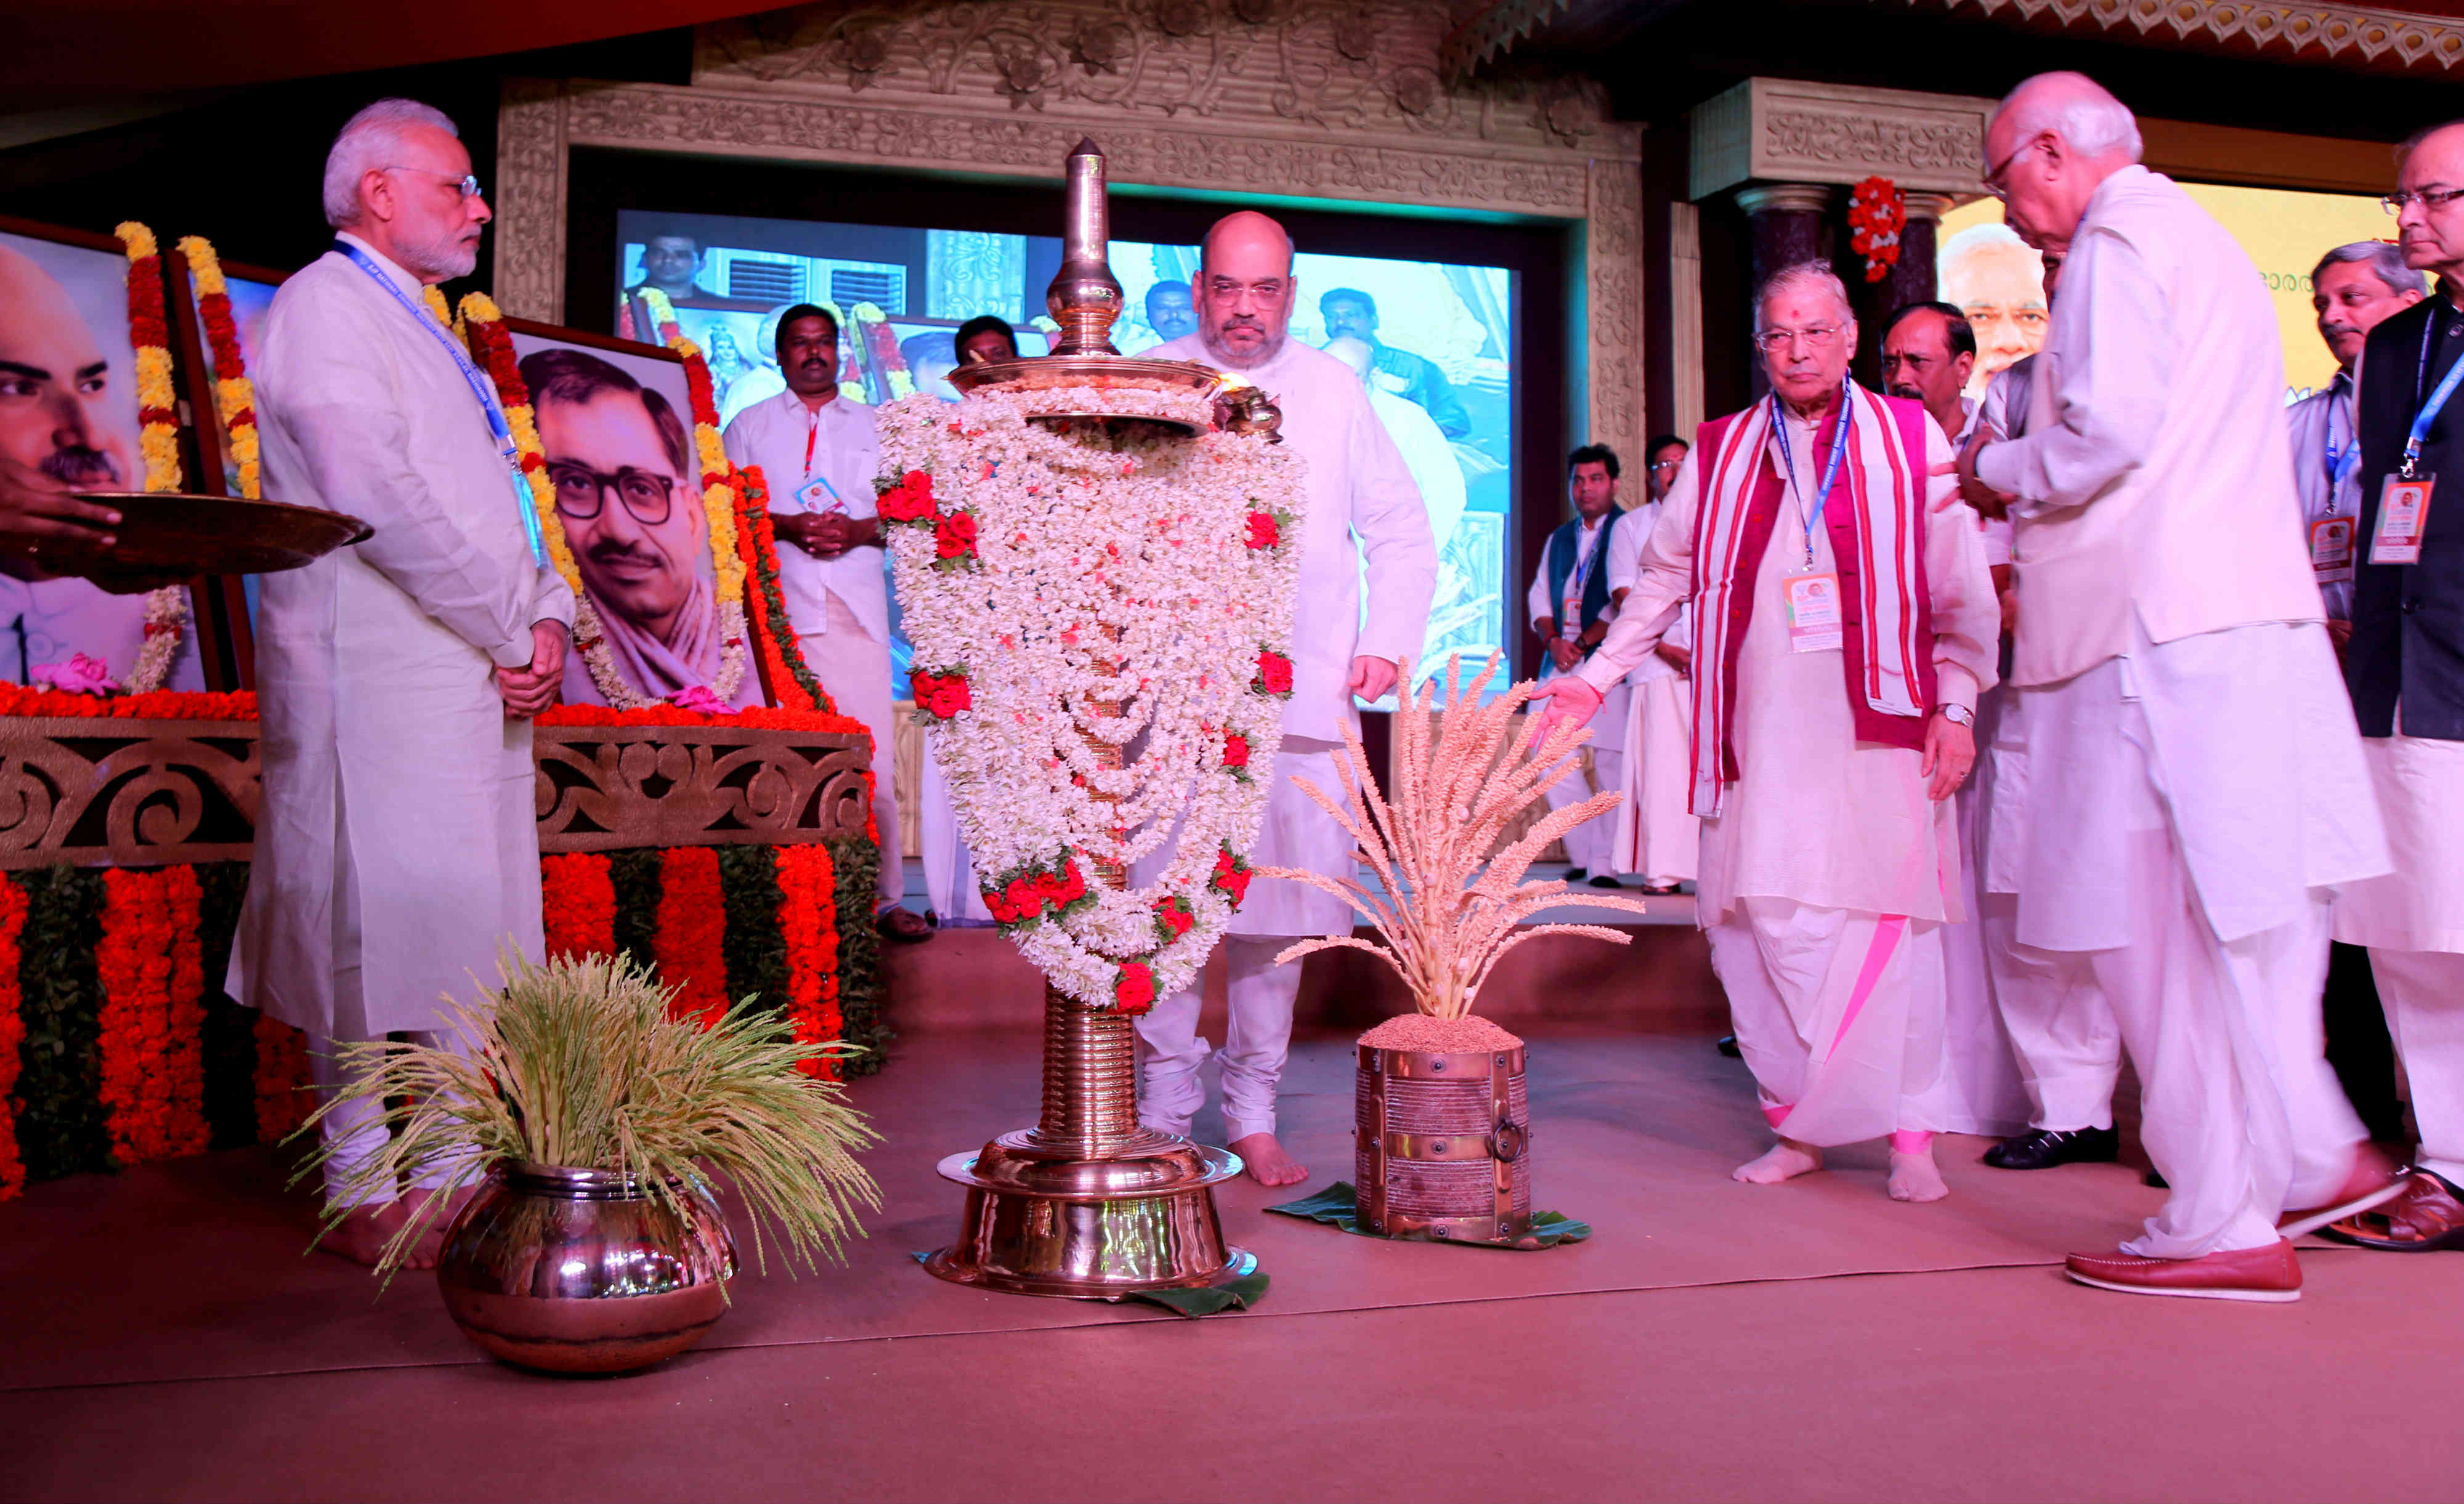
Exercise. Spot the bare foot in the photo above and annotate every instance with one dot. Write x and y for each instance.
(1914, 1177)
(1786, 1160)
(363, 1232)
(1267, 1163)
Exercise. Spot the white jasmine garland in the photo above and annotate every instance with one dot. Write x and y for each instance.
(1103, 564)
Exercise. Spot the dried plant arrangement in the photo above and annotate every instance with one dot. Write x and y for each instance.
(1449, 910)
(578, 1063)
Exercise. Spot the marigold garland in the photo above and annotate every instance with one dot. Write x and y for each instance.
(483, 328)
(808, 923)
(153, 1073)
(791, 680)
(284, 1098)
(234, 396)
(693, 918)
(158, 442)
(161, 705)
(579, 902)
(13, 1035)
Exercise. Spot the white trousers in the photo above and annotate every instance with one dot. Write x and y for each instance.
(1838, 1014)
(1257, 1040)
(1588, 845)
(2062, 1032)
(1655, 832)
(357, 1132)
(950, 882)
(2423, 992)
(853, 662)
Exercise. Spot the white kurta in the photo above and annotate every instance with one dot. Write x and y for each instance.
(396, 847)
(1653, 832)
(2327, 476)
(1589, 847)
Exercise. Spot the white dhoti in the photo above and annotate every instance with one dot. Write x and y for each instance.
(950, 883)
(1838, 1014)
(2412, 920)
(1295, 833)
(1588, 845)
(1981, 1090)
(2188, 809)
(852, 663)
(1653, 832)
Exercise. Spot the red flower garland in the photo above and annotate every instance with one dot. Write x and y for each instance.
(909, 500)
(13, 1035)
(940, 695)
(1274, 674)
(1877, 213)
(1133, 992)
(687, 938)
(1264, 532)
(283, 1099)
(1231, 876)
(808, 923)
(152, 1017)
(1174, 917)
(782, 661)
(580, 912)
(954, 541)
(160, 705)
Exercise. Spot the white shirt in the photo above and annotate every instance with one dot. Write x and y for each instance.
(2323, 442)
(2153, 481)
(821, 459)
(1817, 816)
(1624, 565)
(1362, 506)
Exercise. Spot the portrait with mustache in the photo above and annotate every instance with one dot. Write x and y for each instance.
(620, 464)
(65, 423)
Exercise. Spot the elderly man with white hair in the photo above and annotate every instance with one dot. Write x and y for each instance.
(1844, 624)
(2194, 783)
(397, 848)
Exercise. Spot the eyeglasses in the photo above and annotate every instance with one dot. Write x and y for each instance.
(1657, 465)
(2427, 198)
(579, 490)
(1993, 175)
(1771, 341)
(468, 183)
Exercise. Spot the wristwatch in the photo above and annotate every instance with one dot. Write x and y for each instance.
(1958, 715)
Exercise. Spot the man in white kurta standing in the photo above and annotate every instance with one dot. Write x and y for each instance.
(1362, 511)
(1653, 832)
(819, 455)
(1843, 624)
(1571, 606)
(2405, 667)
(397, 846)
(2195, 788)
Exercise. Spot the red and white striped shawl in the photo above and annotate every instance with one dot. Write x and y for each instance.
(1876, 520)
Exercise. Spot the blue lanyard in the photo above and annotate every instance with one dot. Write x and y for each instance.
(2339, 461)
(480, 388)
(2429, 413)
(1583, 562)
(1830, 467)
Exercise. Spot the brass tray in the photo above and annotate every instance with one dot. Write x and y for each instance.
(178, 531)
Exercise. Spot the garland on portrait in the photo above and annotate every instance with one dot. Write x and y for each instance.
(158, 445)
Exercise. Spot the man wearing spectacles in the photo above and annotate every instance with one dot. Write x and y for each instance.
(620, 465)
(1844, 624)
(397, 848)
(2404, 667)
(2195, 790)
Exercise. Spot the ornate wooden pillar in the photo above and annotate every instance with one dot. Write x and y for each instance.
(1787, 223)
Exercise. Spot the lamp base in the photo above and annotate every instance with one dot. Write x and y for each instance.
(1041, 1222)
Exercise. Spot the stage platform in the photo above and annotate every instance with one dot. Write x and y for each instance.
(161, 1336)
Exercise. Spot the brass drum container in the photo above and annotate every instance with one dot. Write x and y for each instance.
(1443, 1145)
(583, 1271)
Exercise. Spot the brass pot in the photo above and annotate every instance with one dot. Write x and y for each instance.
(585, 1270)
(1443, 1145)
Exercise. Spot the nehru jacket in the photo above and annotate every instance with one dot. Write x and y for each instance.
(2409, 618)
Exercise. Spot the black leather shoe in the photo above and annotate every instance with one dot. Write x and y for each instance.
(2047, 1147)
(1728, 1047)
(1577, 875)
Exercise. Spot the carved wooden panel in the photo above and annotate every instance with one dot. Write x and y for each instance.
(1774, 130)
(125, 793)
(610, 788)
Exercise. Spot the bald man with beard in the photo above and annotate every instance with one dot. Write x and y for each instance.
(64, 427)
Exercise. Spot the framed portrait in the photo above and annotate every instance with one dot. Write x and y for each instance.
(251, 289)
(69, 421)
(615, 426)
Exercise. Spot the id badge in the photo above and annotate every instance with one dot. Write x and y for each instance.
(816, 495)
(1813, 614)
(2331, 551)
(2404, 516)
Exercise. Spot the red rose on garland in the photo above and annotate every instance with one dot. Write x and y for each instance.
(1134, 990)
(1063, 888)
(1274, 674)
(1263, 531)
(1023, 899)
(940, 695)
(1174, 918)
(954, 537)
(1236, 750)
(909, 500)
(1231, 876)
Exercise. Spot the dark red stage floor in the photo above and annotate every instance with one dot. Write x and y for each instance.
(160, 1336)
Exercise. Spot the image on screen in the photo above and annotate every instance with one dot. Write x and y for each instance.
(1434, 342)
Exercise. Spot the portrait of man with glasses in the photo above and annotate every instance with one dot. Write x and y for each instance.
(620, 463)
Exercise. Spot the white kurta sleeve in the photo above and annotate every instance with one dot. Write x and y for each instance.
(2113, 329)
(1392, 525)
(345, 416)
(1662, 582)
(1535, 600)
(1967, 614)
(1625, 550)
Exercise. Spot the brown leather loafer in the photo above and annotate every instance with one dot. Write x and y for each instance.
(2428, 1218)
(2376, 1180)
(2269, 1273)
